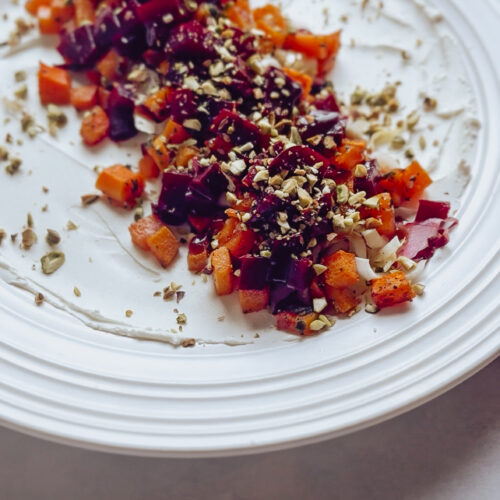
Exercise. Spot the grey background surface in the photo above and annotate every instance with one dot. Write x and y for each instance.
(447, 449)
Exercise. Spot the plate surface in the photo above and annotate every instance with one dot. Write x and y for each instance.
(67, 382)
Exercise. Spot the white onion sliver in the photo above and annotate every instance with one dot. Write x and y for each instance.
(390, 249)
(417, 272)
(144, 125)
(357, 245)
(365, 269)
(374, 239)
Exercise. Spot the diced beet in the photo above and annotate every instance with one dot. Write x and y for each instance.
(244, 43)
(130, 40)
(368, 183)
(79, 48)
(183, 105)
(254, 273)
(238, 129)
(432, 210)
(211, 181)
(296, 157)
(121, 115)
(107, 25)
(172, 207)
(290, 286)
(264, 211)
(327, 103)
(190, 40)
(154, 9)
(281, 99)
(198, 244)
(324, 123)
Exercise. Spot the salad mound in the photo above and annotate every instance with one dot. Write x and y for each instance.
(252, 149)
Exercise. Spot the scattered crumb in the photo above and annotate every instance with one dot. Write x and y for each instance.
(77, 292)
(188, 343)
(39, 298)
(129, 313)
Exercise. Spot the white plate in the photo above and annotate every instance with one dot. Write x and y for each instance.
(62, 380)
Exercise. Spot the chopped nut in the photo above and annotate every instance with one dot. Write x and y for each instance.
(262, 175)
(410, 154)
(56, 116)
(422, 142)
(412, 119)
(418, 288)
(3, 234)
(39, 298)
(28, 238)
(29, 220)
(371, 308)
(304, 197)
(4, 153)
(319, 269)
(192, 123)
(372, 202)
(430, 103)
(88, 199)
(181, 319)
(71, 226)
(77, 292)
(13, 166)
(360, 170)
(188, 343)
(342, 193)
(129, 313)
(319, 304)
(52, 261)
(317, 325)
(20, 76)
(21, 92)
(398, 142)
(52, 237)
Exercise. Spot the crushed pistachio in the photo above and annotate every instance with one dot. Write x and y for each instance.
(29, 220)
(317, 325)
(372, 202)
(52, 261)
(20, 76)
(319, 269)
(418, 288)
(410, 154)
(371, 308)
(398, 142)
(4, 154)
(88, 199)
(188, 343)
(28, 238)
(13, 166)
(412, 119)
(319, 304)
(360, 170)
(422, 142)
(342, 193)
(21, 92)
(39, 298)
(71, 226)
(52, 237)
(77, 292)
(129, 313)
(181, 319)
(56, 116)
(3, 234)
(192, 123)
(430, 103)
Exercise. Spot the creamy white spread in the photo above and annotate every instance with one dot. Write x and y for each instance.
(113, 276)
